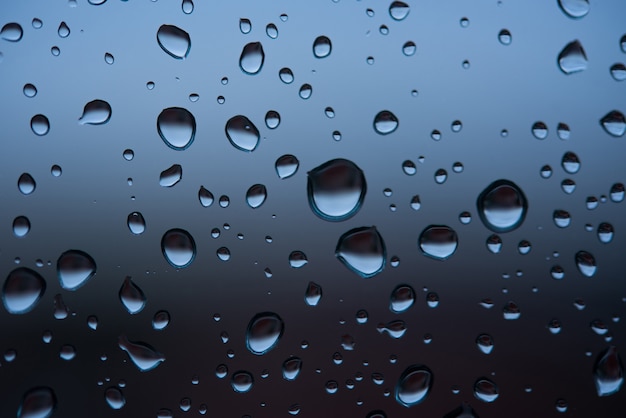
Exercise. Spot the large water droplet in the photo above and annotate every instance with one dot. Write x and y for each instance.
(39, 402)
(178, 247)
(264, 332)
(256, 195)
(438, 241)
(572, 59)
(414, 385)
(176, 127)
(313, 294)
(484, 342)
(174, 41)
(362, 250)
(502, 206)
(322, 47)
(26, 184)
(136, 223)
(252, 58)
(132, 297)
(608, 372)
(586, 263)
(402, 298)
(291, 368)
(22, 290)
(242, 381)
(286, 166)
(395, 329)
(385, 122)
(486, 390)
(144, 356)
(575, 8)
(63, 30)
(242, 133)
(114, 398)
(614, 123)
(11, 32)
(170, 176)
(399, 10)
(336, 189)
(75, 268)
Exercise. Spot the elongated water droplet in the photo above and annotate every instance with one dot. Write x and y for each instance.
(575, 8)
(322, 47)
(586, 263)
(176, 127)
(174, 41)
(63, 30)
(170, 176)
(132, 297)
(114, 398)
(313, 294)
(286, 166)
(21, 226)
(245, 26)
(242, 133)
(60, 309)
(614, 123)
(608, 372)
(178, 247)
(484, 342)
(242, 381)
(271, 31)
(143, 355)
(336, 189)
(438, 241)
(26, 184)
(395, 329)
(264, 332)
(205, 197)
(385, 122)
(136, 223)
(572, 59)
(291, 368)
(252, 58)
(486, 390)
(402, 298)
(92, 322)
(256, 195)
(362, 250)
(39, 402)
(187, 7)
(22, 290)
(11, 32)
(414, 385)
(75, 268)
(502, 206)
(399, 10)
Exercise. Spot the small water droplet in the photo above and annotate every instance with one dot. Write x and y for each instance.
(385, 122)
(485, 390)
(331, 386)
(205, 197)
(286, 166)
(505, 37)
(362, 250)
(557, 272)
(245, 26)
(174, 41)
(402, 298)
(540, 130)
(221, 371)
(313, 294)
(37, 23)
(464, 22)
(617, 192)
(67, 352)
(38, 402)
(60, 309)
(614, 123)
(114, 398)
(286, 75)
(409, 48)
(176, 127)
(272, 119)
(242, 133)
(570, 162)
(361, 316)
(441, 176)
(494, 244)
(136, 223)
(438, 241)
(96, 112)
(413, 386)
(484, 342)
(291, 368)
(384, 30)
(554, 326)
(178, 247)
(143, 355)
(252, 58)
(572, 59)
(399, 10)
(242, 381)
(223, 253)
(40, 125)
(370, 60)
(55, 51)
(29, 90)
(576, 9)
(171, 176)
(568, 186)
(150, 85)
(11, 32)
(502, 206)
(608, 372)
(92, 322)
(187, 7)
(432, 299)
(618, 71)
(297, 259)
(224, 201)
(322, 47)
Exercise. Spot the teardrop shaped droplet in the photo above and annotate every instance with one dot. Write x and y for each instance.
(22, 290)
(75, 268)
(264, 332)
(39, 402)
(252, 58)
(576, 9)
(40, 125)
(385, 122)
(136, 223)
(438, 241)
(143, 355)
(63, 30)
(132, 297)
(174, 41)
(11, 32)
(313, 294)
(362, 250)
(614, 123)
(402, 298)
(176, 127)
(286, 166)
(586, 263)
(256, 195)
(26, 184)
(414, 385)
(170, 176)
(291, 368)
(572, 59)
(109, 58)
(178, 247)
(242, 381)
(205, 197)
(114, 398)
(322, 47)
(502, 206)
(485, 390)
(399, 10)
(242, 133)
(484, 342)
(608, 372)
(336, 189)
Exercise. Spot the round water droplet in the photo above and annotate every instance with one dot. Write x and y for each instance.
(617, 192)
(37, 23)
(570, 162)
(402, 298)
(362, 250)
(286, 166)
(74, 269)
(26, 184)
(131, 296)
(176, 127)
(385, 122)
(614, 123)
(160, 320)
(150, 85)
(572, 59)
(223, 253)
(187, 7)
(264, 332)
(540, 130)
(291, 368)
(221, 371)
(409, 168)
(205, 197)
(561, 405)
(305, 91)
(432, 299)
(329, 112)
(586, 263)
(484, 342)
(608, 372)
(605, 232)
(465, 217)
(22, 290)
(502, 206)
(39, 402)
(11, 32)
(29, 90)
(313, 294)
(384, 30)
(67, 352)
(256, 195)
(272, 31)
(286, 75)
(40, 125)
(114, 398)
(245, 26)
(568, 186)
(399, 10)
(413, 385)
(438, 241)
(618, 71)
(561, 218)
(224, 201)
(242, 133)
(409, 48)
(485, 390)
(63, 30)
(441, 176)
(55, 51)
(464, 22)
(174, 41)
(252, 58)
(21, 226)
(575, 8)
(136, 223)
(554, 326)
(511, 311)
(361, 316)
(194, 97)
(178, 247)
(546, 172)
(322, 47)
(272, 119)
(505, 37)
(494, 244)
(171, 176)
(336, 189)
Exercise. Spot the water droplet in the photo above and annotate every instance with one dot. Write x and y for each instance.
(465, 217)
(286, 166)
(572, 59)
(63, 30)
(178, 247)
(329, 112)
(170, 176)
(608, 372)
(242, 381)
(92, 322)
(347, 342)
(313, 294)
(21, 226)
(409, 168)
(413, 385)
(441, 176)
(618, 71)
(575, 8)
(176, 127)
(331, 386)
(242, 133)
(131, 296)
(554, 326)
(22, 290)
(60, 309)
(464, 22)
(297, 259)
(494, 243)
(546, 172)
(224, 201)
(540, 130)
(205, 197)
(385, 122)
(256, 195)
(557, 272)
(40, 125)
(114, 398)
(245, 26)
(187, 7)
(561, 405)
(75, 268)
(586, 263)
(561, 218)
(264, 332)
(67, 352)
(416, 203)
(524, 247)
(322, 47)
(384, 30)
(174, 41)
(136, 223)
(505, 37)
(563, 131)
(568, 186)
(144, 356)
(26, 184)
(305, 91)
(37, 23)
(617, 192)
(336, 189)
(29, 90)
(409, 48)
(55, 51)
(11, 32)
(223, 253)
(252, 58)
(511, 311)
(361, 316)
(614, 123)
(395, 329)
(272, 119)
(399, 10)
(402, 298)
(96, 112)
(150, 85)
(484, 342)
(486, 390)
(570, 162)
(605, 232)
(362, 250)
(286, 75)
(502, 206)
(160, 320)
(438, 241)
(39, 402)
(291, 368)
(432, 299)
(221, 371)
